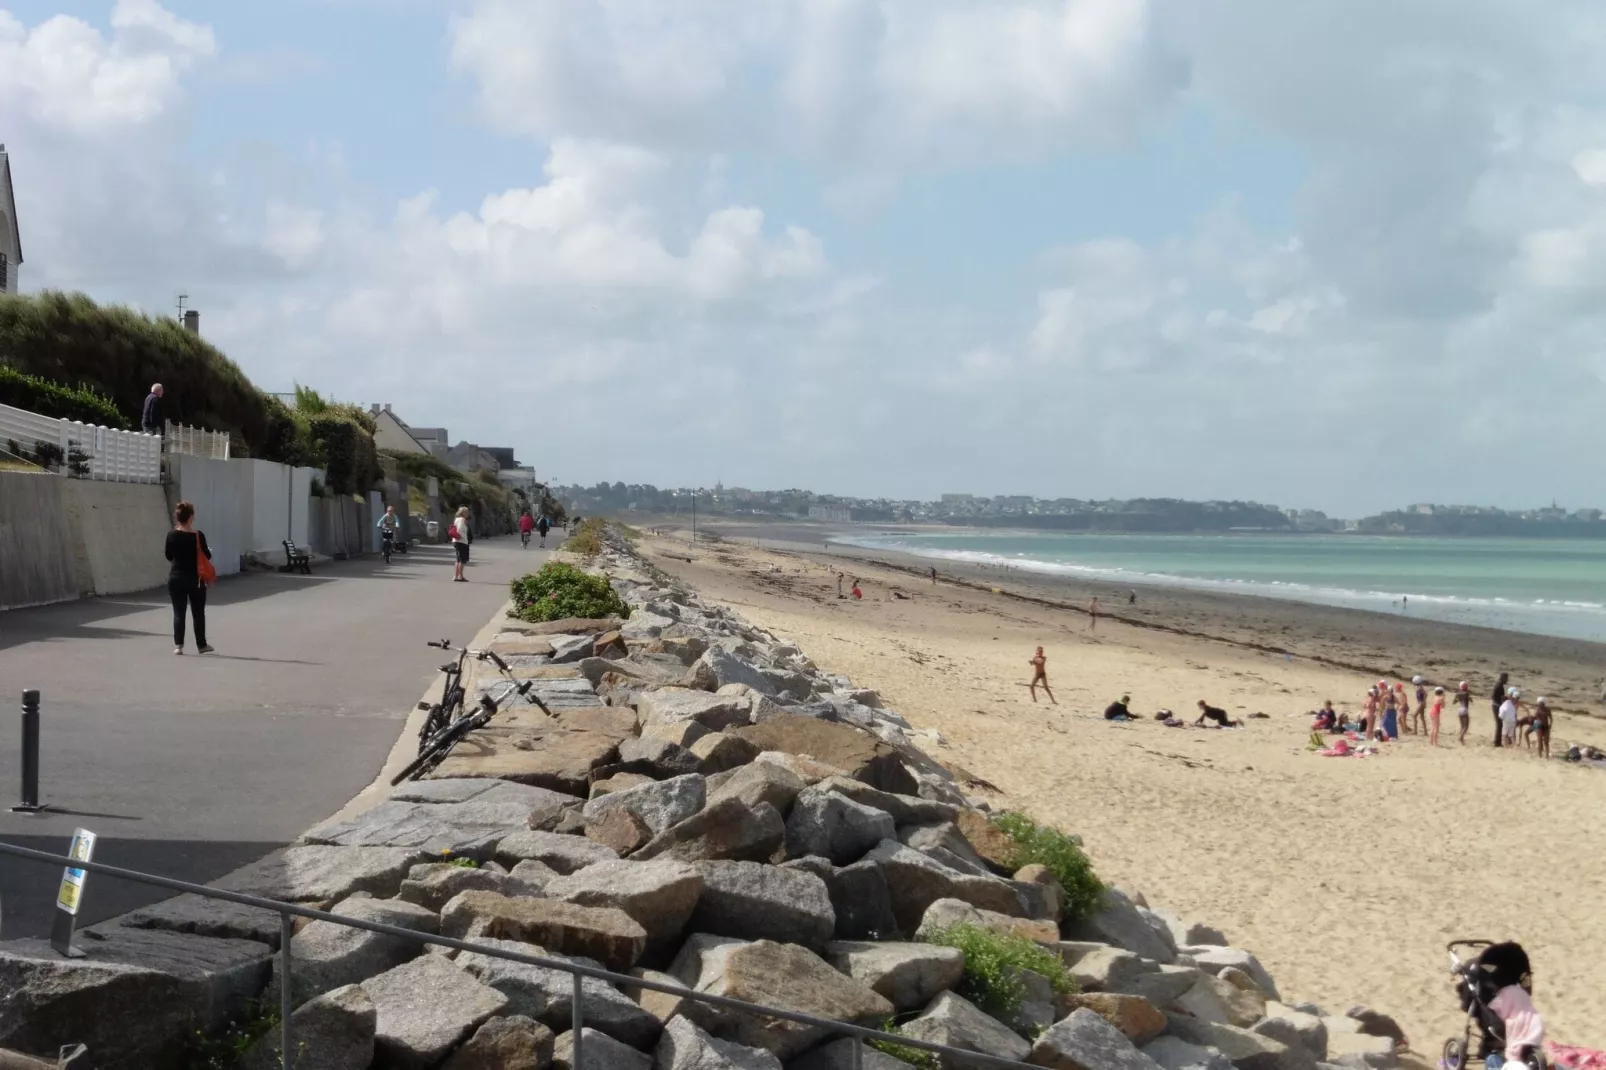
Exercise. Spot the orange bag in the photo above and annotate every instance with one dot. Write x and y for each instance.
(203, 565)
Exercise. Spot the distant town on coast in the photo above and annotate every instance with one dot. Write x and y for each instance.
(1074, 514)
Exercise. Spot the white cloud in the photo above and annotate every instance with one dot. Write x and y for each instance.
(67, 74)
(865, 82)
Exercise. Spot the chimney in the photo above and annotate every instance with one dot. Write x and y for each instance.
(373, 409)
(192, 321)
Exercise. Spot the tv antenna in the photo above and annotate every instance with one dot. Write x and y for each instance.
(181, 299)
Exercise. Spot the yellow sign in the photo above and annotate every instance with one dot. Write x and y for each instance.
(72, 880)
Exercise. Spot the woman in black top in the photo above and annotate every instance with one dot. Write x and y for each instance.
(185, 546)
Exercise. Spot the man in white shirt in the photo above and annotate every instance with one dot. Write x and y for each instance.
(1508, 717)
(460, 543)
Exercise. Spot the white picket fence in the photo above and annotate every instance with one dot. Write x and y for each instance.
(197, 442)
(118, 456)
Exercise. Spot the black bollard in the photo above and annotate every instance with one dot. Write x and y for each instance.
(30, 754)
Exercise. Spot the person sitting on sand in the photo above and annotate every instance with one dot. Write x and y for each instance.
(856, 592)
(1219, 716)
(1039, 664)
(1117, 711)
(1326, 718)
(1463, 708)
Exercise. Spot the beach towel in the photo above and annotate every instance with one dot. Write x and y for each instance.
(1571, 1057)
(1339, 749)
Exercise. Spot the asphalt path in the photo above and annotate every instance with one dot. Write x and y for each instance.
(192, 766)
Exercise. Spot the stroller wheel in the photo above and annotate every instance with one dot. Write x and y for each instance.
(1455, 1054)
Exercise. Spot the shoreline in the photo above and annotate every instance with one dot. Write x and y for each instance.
(1371, 643)
(1317, 863)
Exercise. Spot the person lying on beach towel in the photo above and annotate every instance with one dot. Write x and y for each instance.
(1219, 716)
(1117, 711)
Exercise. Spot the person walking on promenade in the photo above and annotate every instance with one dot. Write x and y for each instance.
(543, 526)
(459, 535)
(151, 420)
(1039, 664)
(188, 577)
(1496, 700)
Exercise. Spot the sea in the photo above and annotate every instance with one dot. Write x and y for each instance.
(1553, 587)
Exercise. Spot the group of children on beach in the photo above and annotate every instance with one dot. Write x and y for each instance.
(1387, 711)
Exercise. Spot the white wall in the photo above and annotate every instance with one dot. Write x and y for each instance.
(221, 494)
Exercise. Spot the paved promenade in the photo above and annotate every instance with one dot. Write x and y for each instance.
(190, 766)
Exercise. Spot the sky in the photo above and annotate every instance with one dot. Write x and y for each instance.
(1334, 254)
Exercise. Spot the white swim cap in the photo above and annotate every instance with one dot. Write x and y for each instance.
(1416, 679)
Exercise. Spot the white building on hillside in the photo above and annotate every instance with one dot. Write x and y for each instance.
(10, 235)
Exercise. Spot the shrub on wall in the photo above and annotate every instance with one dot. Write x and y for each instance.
(118, 352)
(347, 450)
(23, 391)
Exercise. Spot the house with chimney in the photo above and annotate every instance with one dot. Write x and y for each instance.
(10, 233)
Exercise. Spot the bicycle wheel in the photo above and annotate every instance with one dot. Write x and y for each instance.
(1455, 1054)
(439, 747)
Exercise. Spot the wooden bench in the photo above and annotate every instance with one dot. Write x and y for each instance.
(296, 560)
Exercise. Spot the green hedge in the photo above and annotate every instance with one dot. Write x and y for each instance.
(347, 450)
(559, 591)
(118, 353)
(23, 391)
(491, 505)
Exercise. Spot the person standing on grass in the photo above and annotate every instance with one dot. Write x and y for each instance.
(151, 419)
(1039, 664)
(1463, 707)
(459, 535)
(185, 549)
(1497, 700)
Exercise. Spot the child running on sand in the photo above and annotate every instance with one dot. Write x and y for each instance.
(1463, 706)
(1039, 664)
(1433, 716)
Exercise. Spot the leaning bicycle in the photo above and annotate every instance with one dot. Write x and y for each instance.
(447, 723)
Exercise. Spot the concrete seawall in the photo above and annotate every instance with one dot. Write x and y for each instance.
(38, 557)
(62, 539)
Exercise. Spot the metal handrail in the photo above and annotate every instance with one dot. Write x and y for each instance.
(288, 910)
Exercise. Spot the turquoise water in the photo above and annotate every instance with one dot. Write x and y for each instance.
(1543, 586)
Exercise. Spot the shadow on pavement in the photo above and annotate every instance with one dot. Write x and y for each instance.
(28, 888)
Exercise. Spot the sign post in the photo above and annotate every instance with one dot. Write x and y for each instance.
(70, 894)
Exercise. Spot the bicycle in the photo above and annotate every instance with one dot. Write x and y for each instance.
(524, 537)
(387, 543)
(447, 723)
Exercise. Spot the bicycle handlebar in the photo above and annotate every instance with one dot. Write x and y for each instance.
(441, 644)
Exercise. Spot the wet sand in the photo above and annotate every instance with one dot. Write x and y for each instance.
(1346, 876)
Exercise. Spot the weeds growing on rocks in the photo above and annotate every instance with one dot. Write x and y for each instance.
(1060, 855)
(991, 980)
(223, 1050)
(587, 538)
(916, 1057)
(559, 591)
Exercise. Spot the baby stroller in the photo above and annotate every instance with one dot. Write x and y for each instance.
(1476, 983)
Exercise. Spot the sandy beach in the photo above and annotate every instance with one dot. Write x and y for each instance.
(1346, 876)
